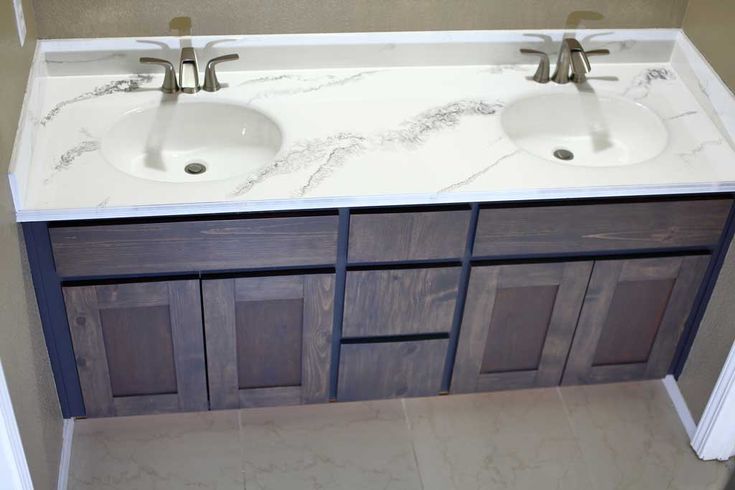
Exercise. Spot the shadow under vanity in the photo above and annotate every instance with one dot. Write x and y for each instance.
(227, 311)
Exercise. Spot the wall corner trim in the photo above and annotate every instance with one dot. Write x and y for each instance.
(12, 455)
(65, 461)
(680, 405)
(715, 435)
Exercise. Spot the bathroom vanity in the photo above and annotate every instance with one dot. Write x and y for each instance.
(400, 221)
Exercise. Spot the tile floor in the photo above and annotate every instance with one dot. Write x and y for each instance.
(622, 436)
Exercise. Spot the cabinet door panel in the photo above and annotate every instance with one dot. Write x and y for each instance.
(268, 340)
(632, 318)
(139, 347)
(391, 369)
(518, 325)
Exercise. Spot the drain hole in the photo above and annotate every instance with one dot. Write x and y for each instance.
(195, 168)
(563, 154)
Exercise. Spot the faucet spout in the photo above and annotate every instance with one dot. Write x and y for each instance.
(189, 72)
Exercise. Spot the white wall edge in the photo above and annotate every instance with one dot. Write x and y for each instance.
(12, 455)
(680, 405)
(67, 439)
(715, 435)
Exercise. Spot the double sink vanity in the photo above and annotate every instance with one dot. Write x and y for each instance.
(353, 217)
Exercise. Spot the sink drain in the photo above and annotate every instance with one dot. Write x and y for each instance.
(195, 168)
(563, 154)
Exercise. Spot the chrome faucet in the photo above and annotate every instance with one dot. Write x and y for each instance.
(188, 81)
(573, 63)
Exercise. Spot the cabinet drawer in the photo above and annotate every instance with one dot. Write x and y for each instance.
(189, 246)
(390, 370)
(408, 236)
(400, 302)
(600, 227)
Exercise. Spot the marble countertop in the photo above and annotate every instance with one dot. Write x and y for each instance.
(368, 130)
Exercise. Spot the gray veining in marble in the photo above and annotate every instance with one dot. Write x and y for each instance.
(312, 84)
(640, 87)
(327, 154)
(75, 152)
(118, 86)
(458, 185)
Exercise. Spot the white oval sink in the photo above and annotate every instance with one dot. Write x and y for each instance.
(594, 130)
(192, 142)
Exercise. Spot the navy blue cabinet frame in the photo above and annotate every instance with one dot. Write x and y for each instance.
(48, 285)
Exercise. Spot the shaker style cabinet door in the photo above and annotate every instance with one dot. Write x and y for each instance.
(518, 324)
(633, 316)
(139, 347)
(268, 340)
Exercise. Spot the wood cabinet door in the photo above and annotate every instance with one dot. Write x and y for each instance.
(633, 316)
(518, 324)
(268, 340)
(139, 347)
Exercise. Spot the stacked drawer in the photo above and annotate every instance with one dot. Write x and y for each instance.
(400, 299)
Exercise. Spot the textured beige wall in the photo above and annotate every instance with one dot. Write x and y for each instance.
(22, 349)
(711, 25)
(105, 18)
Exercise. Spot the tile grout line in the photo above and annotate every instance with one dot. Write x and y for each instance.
(577, 442)
(413, 444)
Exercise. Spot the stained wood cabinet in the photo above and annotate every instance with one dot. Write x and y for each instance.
(632, 318)
(269, 339)
(296, 308)
(576, 322)
(139, 347)
(518, 325)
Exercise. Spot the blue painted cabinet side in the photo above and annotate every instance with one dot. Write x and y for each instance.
(52, 310)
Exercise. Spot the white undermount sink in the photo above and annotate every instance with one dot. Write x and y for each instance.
(585, 129)
(192, 141)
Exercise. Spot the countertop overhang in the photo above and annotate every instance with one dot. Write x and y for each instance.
(367, 120)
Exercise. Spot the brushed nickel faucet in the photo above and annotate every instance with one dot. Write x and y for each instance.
(573, 63)
(188, 81)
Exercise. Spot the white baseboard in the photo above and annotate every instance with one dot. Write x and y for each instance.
(68, 436)
(680, 405)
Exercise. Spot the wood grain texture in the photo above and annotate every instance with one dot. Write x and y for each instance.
(391, 369)
(156, 352)
(400, 302)
(600, 227)
(220, 325)
(493, 351)
(192, 246)
(268, 337)
(89, 350)
(188, 336)
(601, 320)
(317, 337)
(281, 330)
(139, 350)
(408, 236)
(270, 397)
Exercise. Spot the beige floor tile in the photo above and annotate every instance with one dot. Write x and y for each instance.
(632, 439)
(354, 446)
(510, 440)
(157, 452)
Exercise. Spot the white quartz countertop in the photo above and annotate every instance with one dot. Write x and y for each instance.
(403, 133)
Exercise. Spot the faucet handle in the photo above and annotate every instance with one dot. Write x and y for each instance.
(542, 73)
(211, 84)
(597, 52)
(169, 80)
